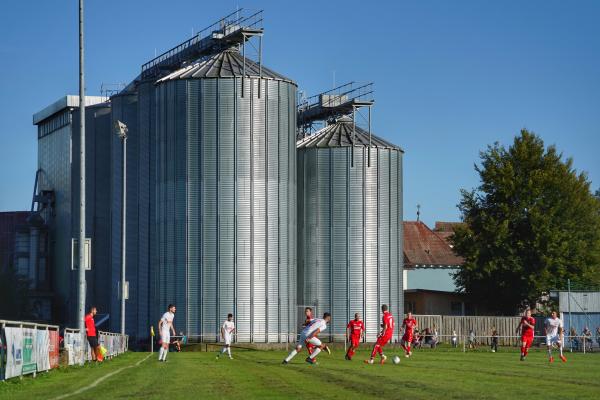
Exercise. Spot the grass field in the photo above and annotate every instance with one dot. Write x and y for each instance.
(437, 374)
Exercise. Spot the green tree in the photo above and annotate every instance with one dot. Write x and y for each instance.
(531, 224)
(14, 291)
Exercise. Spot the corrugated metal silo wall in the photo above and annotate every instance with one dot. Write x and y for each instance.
(226, 205)
(350, 233)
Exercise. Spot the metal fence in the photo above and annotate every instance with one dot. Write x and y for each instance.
(114, 343)
(463, 325)
(29, 348)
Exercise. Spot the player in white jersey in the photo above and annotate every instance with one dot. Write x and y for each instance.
(554, 335)
(227, 334)
(165, 327)
(309, 335)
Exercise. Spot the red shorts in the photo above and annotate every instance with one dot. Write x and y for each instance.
(354, 341)
(382, 340)
(527, 339)
(408, 337)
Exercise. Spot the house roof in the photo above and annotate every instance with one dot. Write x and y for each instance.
(424, 248)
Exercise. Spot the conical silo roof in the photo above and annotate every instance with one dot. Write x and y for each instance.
(340, 134)
(225, 64)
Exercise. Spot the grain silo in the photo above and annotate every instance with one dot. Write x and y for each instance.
(225, 196)
(349, 224)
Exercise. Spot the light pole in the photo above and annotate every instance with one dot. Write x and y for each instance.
(81, 292)
(121, 131)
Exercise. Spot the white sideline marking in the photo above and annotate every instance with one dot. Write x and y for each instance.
(101, 379)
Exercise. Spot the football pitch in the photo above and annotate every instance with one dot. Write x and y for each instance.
(431, 374)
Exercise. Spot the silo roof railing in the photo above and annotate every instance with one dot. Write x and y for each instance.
(335, 103)
(233, 29)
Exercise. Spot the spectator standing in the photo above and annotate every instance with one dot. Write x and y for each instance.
(434, 337)
(454, 339)
(494, 340)
(598, 335)
(472, 342)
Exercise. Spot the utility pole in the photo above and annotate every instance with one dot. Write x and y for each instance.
(121, 131)
(81, 313)
(569, 304)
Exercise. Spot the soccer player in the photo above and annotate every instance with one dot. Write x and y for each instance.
(526, 326)
(554, 335)
(408, 325)
(354, 332)
(308, 314)
(385, 336)
(309, 335)
(165, 327)
(227, 333)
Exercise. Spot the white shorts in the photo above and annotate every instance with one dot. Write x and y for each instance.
(314, 341)
(165, 337)
(552, 339)
(227, 338)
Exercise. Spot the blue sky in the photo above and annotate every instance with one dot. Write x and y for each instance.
(451, 77)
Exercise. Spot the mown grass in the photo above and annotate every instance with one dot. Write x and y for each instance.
(429, 374)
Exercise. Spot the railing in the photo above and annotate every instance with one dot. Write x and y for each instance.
(349, 92)
(27, 348)
(204, 39)
(79, 353)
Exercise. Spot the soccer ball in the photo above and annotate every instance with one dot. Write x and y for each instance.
(396, 360)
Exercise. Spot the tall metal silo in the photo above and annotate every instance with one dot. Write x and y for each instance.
(349, 224)
(226, 197)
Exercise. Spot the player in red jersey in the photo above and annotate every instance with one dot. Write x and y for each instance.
(408, 325)
(526, 326)
(385, 336)
(308, 314)
(354, 333)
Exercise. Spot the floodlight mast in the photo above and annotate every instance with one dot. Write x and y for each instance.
(121, 131)
(82, 288)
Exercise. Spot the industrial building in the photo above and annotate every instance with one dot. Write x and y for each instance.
(56, 199)
(211, 187)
